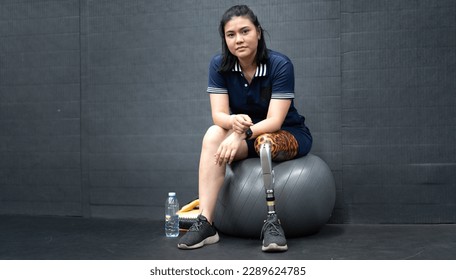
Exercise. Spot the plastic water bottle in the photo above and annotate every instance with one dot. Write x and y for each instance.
(171, 217)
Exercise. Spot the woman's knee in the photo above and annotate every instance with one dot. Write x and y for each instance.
(214, 135)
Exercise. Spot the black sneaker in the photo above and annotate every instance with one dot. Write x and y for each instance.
(273, 235)
(199, 234)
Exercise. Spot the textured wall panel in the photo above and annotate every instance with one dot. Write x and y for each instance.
(103, 103)
(40, 108)
(398, 111)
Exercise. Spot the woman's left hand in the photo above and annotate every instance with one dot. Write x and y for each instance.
(228, 148)
(240, 123)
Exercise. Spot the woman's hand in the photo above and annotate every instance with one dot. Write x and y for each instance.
(240, 123)
(228, 148)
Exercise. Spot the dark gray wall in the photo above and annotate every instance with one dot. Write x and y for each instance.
(40, 167)
(103, 103)
(399, 111)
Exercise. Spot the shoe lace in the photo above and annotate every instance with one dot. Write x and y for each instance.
(271, 227)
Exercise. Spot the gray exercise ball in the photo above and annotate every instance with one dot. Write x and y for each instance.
(304, 193)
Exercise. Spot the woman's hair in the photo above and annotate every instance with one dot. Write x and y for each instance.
(229, 59)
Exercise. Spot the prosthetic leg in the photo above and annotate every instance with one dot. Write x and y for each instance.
(272, 232)
(268, 176)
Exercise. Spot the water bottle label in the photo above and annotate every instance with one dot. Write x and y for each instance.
(172, 225)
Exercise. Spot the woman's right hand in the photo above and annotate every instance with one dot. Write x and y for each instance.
(240, 123)
(228, 149)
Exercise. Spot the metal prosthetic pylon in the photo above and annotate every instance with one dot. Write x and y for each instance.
(268, 176)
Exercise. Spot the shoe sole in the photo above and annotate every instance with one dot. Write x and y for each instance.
(208, 241)
(273, 247)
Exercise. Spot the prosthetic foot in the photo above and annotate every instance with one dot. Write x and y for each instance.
(272, 233)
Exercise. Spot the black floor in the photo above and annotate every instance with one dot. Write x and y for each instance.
(67, 238)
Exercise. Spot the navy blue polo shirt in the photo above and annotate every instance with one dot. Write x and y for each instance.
(272, 80)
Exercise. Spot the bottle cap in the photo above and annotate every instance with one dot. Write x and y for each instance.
(171, 194)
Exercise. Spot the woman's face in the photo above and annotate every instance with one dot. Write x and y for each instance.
(242, 37)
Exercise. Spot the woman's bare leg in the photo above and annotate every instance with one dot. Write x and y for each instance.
(212, 175)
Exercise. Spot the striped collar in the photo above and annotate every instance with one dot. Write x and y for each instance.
(261, 70)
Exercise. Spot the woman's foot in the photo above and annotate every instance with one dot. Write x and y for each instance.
(200, 233)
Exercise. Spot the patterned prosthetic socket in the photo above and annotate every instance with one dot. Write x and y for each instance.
(283, 145)
(268, 176)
